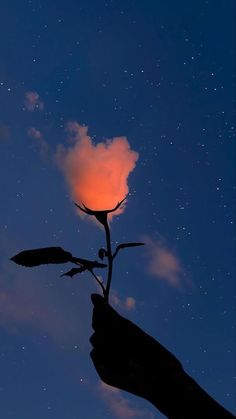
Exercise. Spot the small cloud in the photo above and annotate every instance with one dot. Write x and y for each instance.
(34, 133)
(40, 142)
(119, 405)
(130, 303)
(33, 102)
(4, 133)
(164, 264)
(127, 304)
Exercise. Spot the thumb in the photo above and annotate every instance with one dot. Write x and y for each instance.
(97, 300)
(103, 314)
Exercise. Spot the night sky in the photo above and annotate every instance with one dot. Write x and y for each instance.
(161, 74)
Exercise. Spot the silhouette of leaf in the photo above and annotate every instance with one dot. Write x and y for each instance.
(42, 256)
(124, 245)
(74, 271)
(89, 264)
(102, 253)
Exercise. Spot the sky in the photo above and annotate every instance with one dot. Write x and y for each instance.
(148, 87)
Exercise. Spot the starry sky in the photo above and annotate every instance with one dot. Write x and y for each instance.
(160, 74)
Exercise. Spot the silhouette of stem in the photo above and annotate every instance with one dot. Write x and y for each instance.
(110, 260)
(99, 282)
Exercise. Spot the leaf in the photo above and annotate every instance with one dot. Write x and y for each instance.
(89, 264)
(124, 245)
(74, 271)
(42, 256)
(102, 253)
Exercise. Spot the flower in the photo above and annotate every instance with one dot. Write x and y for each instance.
(100, 215)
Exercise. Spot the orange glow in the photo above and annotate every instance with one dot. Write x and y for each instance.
(97, 174)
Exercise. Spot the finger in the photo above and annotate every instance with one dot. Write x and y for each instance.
(100, 304)
(98, 341)
(103, 368)
(106, 371)
(99, 311)
(104, 347)
(104, 316)
(92, 339)
(99, 363)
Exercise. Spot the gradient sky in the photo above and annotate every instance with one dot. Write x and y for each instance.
(162, 75)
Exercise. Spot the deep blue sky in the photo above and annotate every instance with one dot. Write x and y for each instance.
(161, 74)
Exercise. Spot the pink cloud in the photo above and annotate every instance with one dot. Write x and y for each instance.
(97, 174)
(163, 263)
(39, 141)
(28, 302)
(119, 405)
(126, 304)
(33, 102)
(24, 304)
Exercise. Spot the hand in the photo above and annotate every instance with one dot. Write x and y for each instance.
(127, 358)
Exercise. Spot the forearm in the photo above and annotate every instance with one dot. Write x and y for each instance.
(182, 398)
(128, 358)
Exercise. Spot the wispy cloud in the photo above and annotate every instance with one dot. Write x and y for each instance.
(39, 141)
(163, 263)
(33, 102)
(28, 303)
(24, 304)
(119, 405)
(97, 174)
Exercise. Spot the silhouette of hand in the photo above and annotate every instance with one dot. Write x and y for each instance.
(128, 358)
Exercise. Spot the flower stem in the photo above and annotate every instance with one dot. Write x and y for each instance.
(110, 260)
(99, 282)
